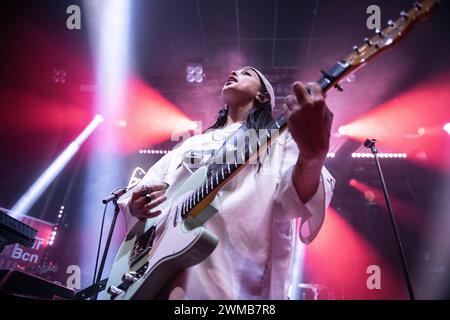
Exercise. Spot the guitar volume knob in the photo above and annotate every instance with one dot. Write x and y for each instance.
(130, 277)
(114, 291)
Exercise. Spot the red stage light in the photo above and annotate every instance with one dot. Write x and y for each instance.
(149, 118)
(409, 123)
(30, 114)
(339, 258)
(406, 214)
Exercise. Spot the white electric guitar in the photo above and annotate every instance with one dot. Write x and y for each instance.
(156, 249)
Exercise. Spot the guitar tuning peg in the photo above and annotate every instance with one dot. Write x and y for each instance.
(368, 41)
(339, 87)
(356, 49)
(379, 32)
(391, 23)
(417, 5)
(327, 75)
(403, 14)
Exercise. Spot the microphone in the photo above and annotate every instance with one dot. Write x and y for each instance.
(369, 143)
(115, 194)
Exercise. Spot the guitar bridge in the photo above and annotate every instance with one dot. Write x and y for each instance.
(142, 245)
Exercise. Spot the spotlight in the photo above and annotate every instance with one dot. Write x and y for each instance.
(198, 69)
(153, 151)
(98, 119)
(447, 127)
(421, 131)
(369, 195)
(190, 77)
(194, 73)
(40, 185)
(190, 69)
(380, 155)
(59, 76)
(198, 78)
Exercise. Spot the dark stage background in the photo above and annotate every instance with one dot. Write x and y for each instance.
(51, 80)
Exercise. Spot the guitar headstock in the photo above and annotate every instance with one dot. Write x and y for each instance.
(391, 34)
(383, 40)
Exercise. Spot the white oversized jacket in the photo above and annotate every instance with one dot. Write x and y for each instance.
(255, 222)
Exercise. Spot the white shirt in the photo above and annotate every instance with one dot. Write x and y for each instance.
(255, 222)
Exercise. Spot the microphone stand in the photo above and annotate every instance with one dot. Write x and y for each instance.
(370, 143)
(99, 285)
(108, 242)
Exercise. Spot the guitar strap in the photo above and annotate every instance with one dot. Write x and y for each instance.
(231, 147)
(227, 151)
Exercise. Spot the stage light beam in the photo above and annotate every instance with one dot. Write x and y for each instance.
(32, 195)
(110, 30)
(411, 123)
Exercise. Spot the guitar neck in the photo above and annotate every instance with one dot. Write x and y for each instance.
(360, 55)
